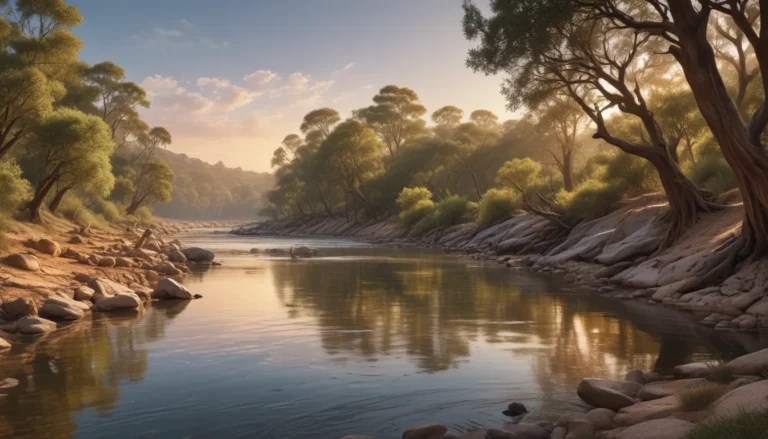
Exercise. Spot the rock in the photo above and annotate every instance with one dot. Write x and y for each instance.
(255, 251)
(140, 253)
(32, 325)
(750, 398)
(636, 376)
(23, 262)
(515, 409)
(72, 254)
(170, 289)
(168, 269)
(107, 288)
(106, 261)
(21, 307)
(662, 389)
(144, 293)
(428, 431)
(559, 433)
(576, 425)
(177, 256)
(124, 262)
(9, 383)
(4, 344)
(56, 308)
(608, 394)
(692, 370)
(151, 276)
(647, 410)
(601, 419)
(523, 431)
(83, 293)
(304, 252)
(118, 302)
(48, 247)
(77, 239)
(197, 254)
(93, 259)
(760, 308)
(197, 296)
(755, 363)
(658, 429)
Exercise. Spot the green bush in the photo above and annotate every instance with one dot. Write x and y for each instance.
(108, 210)
(700, 397)
(143, 216)
(495, 206)
(742, 426)
(73, 209)
(712, 173)
(591, 199)
(14, 190)
(417, 212)
(628, 173)
(409, 197)
(451, 211)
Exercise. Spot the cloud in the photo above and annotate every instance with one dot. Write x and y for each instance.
(343, 69)
(259, 80)
(227, 95)
(182, 35)
(186, 24)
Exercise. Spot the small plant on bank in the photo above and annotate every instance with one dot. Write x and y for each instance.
(719, 373)
(700, 397)
(497, 205)
(742, 426)
(415, 204)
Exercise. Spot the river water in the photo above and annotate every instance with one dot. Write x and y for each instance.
(359, 340)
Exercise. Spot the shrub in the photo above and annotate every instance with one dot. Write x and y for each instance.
(719, 373)
(712, 173)
(143, 216)
(14, 190)
(700, 397)
(591, 199)
(451, 211)
(108, 210)
(73, 209)
(415, 204)
(742, 426)
(496, 206)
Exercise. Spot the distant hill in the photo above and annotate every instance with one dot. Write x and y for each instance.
(206, 191)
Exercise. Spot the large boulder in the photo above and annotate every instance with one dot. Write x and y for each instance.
(58, 308)
(23, 262)
(693, 370)
(4, 344)
(755, 363)
(107, 288)
(144, 293)
(197, 254)
(304, 252)
(748, 398)
(170, 289)
(119, 302)
(668, 428)
(21, 307)
(48, 247)
(33, 325)
(608, 394)
(177, 256)
(648, 410)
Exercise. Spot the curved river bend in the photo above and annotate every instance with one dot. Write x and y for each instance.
(360, 340)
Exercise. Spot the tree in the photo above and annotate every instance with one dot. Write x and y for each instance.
(291, 143)
(519, 174)
(72, 149)
(484, 119)
(681, 25)
(352, 150)
(157, 136)
(466, 140)
(322, 120)
(118, 99)
(154, 187)
(448, 116)
(396, 117)
(279, 158)
(598, 65)
(562, 119)
(37, 50)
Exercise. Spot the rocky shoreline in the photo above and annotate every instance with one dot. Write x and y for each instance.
(44, 288)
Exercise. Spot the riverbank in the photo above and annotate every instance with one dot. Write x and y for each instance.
(613, 255)
(55, 273)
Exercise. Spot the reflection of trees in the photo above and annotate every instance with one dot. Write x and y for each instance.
(433, 309)
(77, 368)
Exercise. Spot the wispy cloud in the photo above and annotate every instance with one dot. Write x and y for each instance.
(183, 34)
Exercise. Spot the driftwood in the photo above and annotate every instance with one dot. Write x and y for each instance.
(143, 240)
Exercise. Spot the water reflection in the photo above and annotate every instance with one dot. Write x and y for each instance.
(77, 368)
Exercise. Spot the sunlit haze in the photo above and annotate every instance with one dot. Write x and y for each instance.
(230, 79)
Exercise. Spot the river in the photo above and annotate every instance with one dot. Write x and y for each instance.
(362, 339)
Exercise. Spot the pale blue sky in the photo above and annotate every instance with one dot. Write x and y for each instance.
(230, 78)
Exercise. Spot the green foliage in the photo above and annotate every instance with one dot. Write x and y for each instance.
(154, 185)
(519, 174)
(143, 216)
(451, 211)
(484, 119)
(73, 209)
(720, 373)
(107, 209)
(745, 425)
(321, 120)
(590, 199)
(496, 205)
(14, 190)
(409, 197)
(700, 397)
(711, 171)
(448, 116)
(417, 212)
(396, 117)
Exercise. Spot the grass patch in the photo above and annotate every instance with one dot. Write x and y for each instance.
(743, 426)
(719, 373)
(700, 397)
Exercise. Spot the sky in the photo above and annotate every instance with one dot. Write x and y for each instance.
(231, 78)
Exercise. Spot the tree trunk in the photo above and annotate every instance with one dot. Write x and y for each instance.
(37, 201)
(568, 183)
(477, 186)
(747, 159)
(54, 206)
(323, 200)
(133, 207)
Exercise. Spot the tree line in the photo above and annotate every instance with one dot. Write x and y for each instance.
(620, 98)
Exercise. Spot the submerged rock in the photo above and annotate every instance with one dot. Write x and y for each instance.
(57, 308)
(170, 289)
(197, 254)
(32, 325)
(124, 301)
(177, 256)
(515, 409)
(107, 288)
